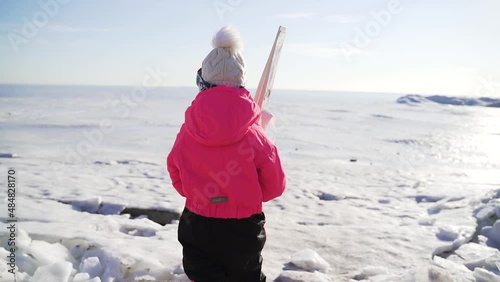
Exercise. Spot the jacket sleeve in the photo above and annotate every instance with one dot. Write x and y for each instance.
(173, 170)
(272, 177)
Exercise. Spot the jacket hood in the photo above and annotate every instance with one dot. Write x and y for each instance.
(221, 115)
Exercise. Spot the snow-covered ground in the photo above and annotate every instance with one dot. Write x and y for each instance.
(377, 190)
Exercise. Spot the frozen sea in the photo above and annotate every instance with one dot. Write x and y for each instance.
(381, 187)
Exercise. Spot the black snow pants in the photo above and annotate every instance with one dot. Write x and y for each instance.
(222, 250)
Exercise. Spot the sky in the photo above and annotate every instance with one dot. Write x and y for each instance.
(400, 46)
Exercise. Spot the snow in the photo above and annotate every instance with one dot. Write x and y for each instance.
(420, 203)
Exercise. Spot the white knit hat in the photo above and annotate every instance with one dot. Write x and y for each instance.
(224, 65)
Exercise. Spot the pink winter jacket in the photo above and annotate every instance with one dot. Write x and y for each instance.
(222, 161)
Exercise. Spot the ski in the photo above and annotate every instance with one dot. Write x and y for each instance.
(267, 79)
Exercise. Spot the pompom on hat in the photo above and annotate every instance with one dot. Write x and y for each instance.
(224, 65)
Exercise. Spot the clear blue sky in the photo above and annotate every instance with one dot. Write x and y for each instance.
(424, 46)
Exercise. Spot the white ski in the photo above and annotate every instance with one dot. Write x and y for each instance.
(266, 80)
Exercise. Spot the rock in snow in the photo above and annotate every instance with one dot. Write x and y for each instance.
(309, 260)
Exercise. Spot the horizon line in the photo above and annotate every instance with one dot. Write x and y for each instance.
(181, 86)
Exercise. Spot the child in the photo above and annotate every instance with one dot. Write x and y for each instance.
(225, 166)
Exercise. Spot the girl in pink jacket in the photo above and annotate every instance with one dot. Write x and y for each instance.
(225, 166)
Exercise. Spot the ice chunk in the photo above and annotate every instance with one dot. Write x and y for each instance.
(177, 274)
(20, 277)
(26, 263)
(370, 271)
(55, 272)
(3, 256)
(179, 278)
(485, 212)
(447, 233)
(411, 99)
(8, 155)
(108, 225)
(89, 205)
(81, 277)
(46, 253)
(309, 260)
(23, 277)
(23, 240)
(5, 275)
(427, 221)
(161, 273)
(438, 274)
(84, 277)
(483, 275)
(491, 262)
(456, 237)
(492, 232)
(474, 255)
(92, 266)
(108, 209)
(454, 269)
(77, 247)
(300, 276)
(144, 278)
(114, 270)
